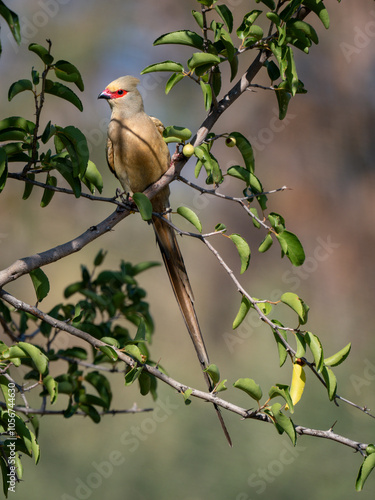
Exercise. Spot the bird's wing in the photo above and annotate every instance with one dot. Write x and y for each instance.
(158, 124)
(110, 156)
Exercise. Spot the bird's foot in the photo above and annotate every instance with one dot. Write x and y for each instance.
(126, 201)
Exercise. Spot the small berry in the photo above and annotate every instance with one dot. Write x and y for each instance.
(188, 150)
(230, 142)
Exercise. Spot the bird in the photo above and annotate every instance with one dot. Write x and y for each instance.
(138, 156)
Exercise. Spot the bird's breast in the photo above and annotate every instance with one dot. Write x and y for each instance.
(140, 154)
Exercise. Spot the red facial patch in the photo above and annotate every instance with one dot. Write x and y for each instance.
(116, 94)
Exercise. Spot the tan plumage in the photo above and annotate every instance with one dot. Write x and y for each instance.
(138, 156)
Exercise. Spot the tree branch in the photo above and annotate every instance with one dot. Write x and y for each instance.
(178, 386)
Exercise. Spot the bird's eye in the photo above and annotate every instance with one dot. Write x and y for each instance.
(120, 92)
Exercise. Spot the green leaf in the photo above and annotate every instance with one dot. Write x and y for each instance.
(164, 66)
(283, 97)
(35, 76)
(198, 16)
(202, 59)
(28, 186)
(28, 438)
(331, 382)
(221, 386)
(291, 71)
(172, 81)
(90, 399)
(233, 67)
(182, 37)
(134, 352)
(364, 471)
(69, 73)
(254, 219)
(91, 412)
(75, 142)
(144, 380)
(339, 357)
(143, 266)
(249, 386)
(283, 423)
(12, 20)
(213, 372)
(226, 15)
(102, 385)
(290, 9)
(42, 52)
(281, 390)
(245, 27)
(274, 18)
(291, 247)
(255, 34)
(301, 345)
(317, 6)
(16, 123)
(133, 374)
(5, 389)
(39, 359)
(240, 173)
(48, 193)
(307, 29)
(316, 348)
(52, 387)
(265, 307)
(140, 336)
(214, 174)
(266, 243)
(272, 70)
(19, 86)
(281, 347)
(191, 216)
(108, 351)
(74, 352)
(144, 205)
(220, 227)
(59, 90)
(243, 250)
(207, 95)
(187, 395)
(277, 222)
(99, 258)
(244, 309)
(174, 133)
(111, 341)
(48, 132)
(270, 3)
(92, 177)
(3, 168)
(245, 149)
(297, 304)
(40, 283)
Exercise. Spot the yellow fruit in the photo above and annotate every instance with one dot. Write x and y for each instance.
(188, 150)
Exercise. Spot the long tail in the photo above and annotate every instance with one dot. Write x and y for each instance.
(174, 264)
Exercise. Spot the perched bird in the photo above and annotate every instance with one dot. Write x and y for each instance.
(138, 156)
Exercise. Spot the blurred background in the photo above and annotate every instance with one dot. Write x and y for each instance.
(323, 150)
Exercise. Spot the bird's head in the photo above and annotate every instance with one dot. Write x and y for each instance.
(123, 94)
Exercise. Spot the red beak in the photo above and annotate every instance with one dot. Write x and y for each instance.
(106, 94)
